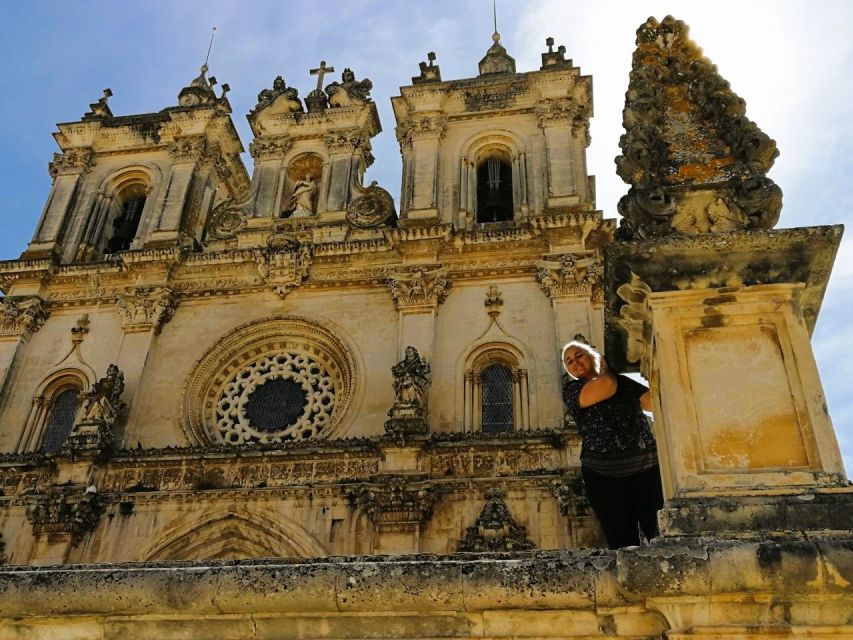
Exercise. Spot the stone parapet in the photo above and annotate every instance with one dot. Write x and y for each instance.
(720, 589)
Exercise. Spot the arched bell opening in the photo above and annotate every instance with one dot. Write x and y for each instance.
(494, 188)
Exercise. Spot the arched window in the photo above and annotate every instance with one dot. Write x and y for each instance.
(60, 412)
(124, 225)
(496, 394)
(497, 409)
(494, 189)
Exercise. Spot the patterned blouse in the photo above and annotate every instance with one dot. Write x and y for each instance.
(617, 438)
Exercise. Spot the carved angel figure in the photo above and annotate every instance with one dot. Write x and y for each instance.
(267, 96)
(411, 380)
(102, 402)
(349, 90)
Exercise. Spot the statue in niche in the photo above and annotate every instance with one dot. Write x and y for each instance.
(304, 175)
(349, 91)
(302, 199)
(411, 379)
(267, 96)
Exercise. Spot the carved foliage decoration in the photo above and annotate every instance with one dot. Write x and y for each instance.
(372, 208)
(397, 500)
(694, 161)
(419, 286)
(68, 510)
(635, 320)
(75, 160)
(21, 316)
(495, 528)
(146, 308)
(565, 275)
(571, 494)
(270, 147)
(565, 110)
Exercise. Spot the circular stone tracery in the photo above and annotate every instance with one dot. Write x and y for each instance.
(271, 382)
(279, 397)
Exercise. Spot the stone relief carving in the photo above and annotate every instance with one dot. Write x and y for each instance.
(100, 408)
(564, 275)
(570, 494)
(565, 110)
(419, 286)
(408, 415)
(695, 163)
(188, 149)
(226, 219)
(346, 140)
(270, 147)
(75, 160)
(374, 207)
(494, 301)
(267, 96)
(284, 270)
(397, 500)
(349, 91)
(146, 308)
(65, 510)
(21, 316)
(495, 528)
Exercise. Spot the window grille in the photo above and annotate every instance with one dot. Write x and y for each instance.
(60, 420)
(275, 405)
(497, 399)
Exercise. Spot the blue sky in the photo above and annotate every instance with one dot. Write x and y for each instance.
(790, 61)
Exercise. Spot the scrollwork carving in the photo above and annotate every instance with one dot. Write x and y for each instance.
(419, 286)
(564, 275)
(495, 528)
(73, 161)
(65, 510)
(396, 500)
(373, 208)
(146, 308)
(21, 316)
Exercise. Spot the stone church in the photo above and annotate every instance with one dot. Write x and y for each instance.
(283, 406)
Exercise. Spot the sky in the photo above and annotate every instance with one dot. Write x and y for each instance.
(790, 61)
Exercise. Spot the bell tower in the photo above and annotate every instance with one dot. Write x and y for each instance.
(503, 147)
(140, 181)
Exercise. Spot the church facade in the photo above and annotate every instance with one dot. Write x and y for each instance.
(285, 407)
(298, 370)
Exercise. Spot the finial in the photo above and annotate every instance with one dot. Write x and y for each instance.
(209, 46)
(549, 42)
(431, 57)
(496, 36)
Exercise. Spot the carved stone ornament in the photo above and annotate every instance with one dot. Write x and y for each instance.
(567, 111)
(430, 72)
(188, 149)
(200, 92)
(408, 415)
(146, 308)
(494, 301)
(495, 528)
(571, 494)
(65, 510)
(71, 162)
(100, 109)
(695, 163)
(349, 91)
(270, 147)
(284, 270)
(99, 412)
(279, 88)
(373, 208)
(21, 316)
(565, 275)
(226, 219)
(419, 286)
(554, 59)
(346, 140)
(634, 319)
(397, 500)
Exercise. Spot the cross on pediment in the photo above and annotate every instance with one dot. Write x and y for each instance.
(321, 71)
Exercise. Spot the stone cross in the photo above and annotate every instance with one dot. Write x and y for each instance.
(321, 71)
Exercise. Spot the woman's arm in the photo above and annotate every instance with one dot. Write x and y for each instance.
(646, 401)
(599, 388)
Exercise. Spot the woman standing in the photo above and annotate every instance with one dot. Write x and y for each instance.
(619, 460)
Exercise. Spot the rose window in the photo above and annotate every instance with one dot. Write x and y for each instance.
(279, 397)
(276, 381)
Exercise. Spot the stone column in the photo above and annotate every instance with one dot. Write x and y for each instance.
(185, 153)
(426, 131)
(20, 317)
(417, 292)
(721, 330)
(67, 170)
(555, 117)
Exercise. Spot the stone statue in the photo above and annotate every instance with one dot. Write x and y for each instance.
(102, 402)
(408, 415)
(267, 96)
(302, 198)
(349, 91)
